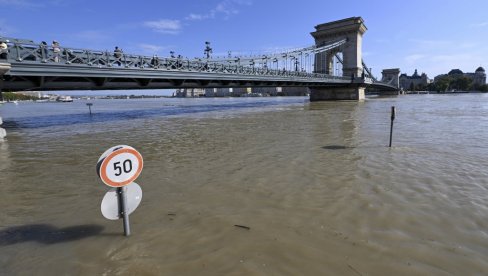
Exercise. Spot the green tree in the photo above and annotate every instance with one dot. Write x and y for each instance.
(9, 96)
(442, 83)
(431, 87)
(483, 88)
(461, 83)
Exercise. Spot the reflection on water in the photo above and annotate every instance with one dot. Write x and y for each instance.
(5, 162)
(314, 183)
(46, 234)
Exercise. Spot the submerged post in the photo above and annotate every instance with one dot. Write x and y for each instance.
(123, 211)
(89, 107)
(391, 126)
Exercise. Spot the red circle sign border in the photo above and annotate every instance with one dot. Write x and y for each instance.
(103, 167)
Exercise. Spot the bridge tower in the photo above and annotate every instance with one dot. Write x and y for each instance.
(391, 76)
(352, 29)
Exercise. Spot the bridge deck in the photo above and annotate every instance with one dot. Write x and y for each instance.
(40, 67)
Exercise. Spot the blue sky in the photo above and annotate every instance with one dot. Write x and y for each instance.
(431, 36)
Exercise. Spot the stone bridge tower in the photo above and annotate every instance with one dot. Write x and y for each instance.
(391, 76)
(351, 29)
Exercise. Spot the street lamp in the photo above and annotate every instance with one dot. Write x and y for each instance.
(207, 50)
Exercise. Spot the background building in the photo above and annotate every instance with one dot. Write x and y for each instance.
(414, 82)
(478, 77)
(457, 80)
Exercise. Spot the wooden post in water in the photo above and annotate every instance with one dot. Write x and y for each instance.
(89, 107)
(391, 126)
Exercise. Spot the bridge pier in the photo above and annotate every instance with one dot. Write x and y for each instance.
(4, 67)
(337, 93)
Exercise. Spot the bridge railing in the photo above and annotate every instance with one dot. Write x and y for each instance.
(26, 51)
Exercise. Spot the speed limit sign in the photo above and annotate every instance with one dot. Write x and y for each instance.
(119, 166)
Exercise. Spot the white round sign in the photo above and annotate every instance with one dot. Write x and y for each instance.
(110, 203)
(119, 166)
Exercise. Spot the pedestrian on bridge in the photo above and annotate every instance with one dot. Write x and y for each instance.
(118, 55)
(3, 49)
(56, 50)
(43, 51)
(155, 61)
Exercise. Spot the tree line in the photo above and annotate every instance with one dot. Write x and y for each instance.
(10, 96)
(450, 82)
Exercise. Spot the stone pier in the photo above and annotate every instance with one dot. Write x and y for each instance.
(337, 93)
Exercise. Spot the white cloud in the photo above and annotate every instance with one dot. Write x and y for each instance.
(412, 59)
(227, 8)
(453, 59)
(20, 3)
(193, 16)
(480, 25)
(165, 26)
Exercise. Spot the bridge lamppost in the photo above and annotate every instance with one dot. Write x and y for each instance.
(296, 62)
(265, 62)
(306, 63)
(207, 50)
(285, 61)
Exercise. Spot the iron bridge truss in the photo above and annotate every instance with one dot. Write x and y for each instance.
(39, 67)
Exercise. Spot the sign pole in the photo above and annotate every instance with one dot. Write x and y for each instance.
(123, 209)
(118, 167)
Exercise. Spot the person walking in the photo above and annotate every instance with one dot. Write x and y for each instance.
(56, 50)
(3, 49)
(118, 55)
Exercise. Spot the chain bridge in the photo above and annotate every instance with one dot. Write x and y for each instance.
(332, 68)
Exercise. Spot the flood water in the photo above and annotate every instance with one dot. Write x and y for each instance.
(315, 185)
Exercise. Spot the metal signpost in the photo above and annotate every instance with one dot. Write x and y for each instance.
(118, 167)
